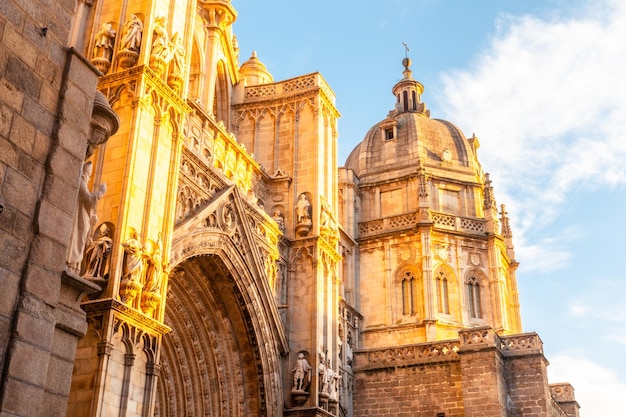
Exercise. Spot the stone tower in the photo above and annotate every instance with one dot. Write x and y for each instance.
(429, 235)
(291, 127)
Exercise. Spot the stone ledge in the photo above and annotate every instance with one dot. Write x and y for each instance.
(129, 314)
(410, 355)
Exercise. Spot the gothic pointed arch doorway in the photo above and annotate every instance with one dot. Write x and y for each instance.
(223, 356)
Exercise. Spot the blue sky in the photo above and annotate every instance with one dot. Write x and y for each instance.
(541, 83)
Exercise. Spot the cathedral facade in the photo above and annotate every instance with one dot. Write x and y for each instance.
(178, 238)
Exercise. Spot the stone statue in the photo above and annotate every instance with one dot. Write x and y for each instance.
(349, 354)
(97, 254)
(301, 370)
(133, 31)
(83, 219)
(154, 268)
(279, 219)
(178, 55)
(334, 386)
(133, 257)
(105, 38)
(303, 209)
(328, 379)
(321, 370)
(160, 40)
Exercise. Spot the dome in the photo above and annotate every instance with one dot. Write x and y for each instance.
(255, 72)
(403, 140)
(408, 137)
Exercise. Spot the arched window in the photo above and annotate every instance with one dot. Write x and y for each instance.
(409, 293)
(473, 297)
(405, 96)
(442, 293)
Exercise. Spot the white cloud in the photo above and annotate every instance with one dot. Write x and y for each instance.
(596, 388)
(579, 310)
(547, 102)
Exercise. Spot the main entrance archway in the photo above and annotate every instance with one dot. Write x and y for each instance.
(223, 356)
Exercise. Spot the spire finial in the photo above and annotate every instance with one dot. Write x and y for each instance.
(406, 62)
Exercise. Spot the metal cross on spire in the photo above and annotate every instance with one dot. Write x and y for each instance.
(406, 49)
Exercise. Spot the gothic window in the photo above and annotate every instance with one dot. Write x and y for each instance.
(442, 293)
(473, 297)
(409, 293)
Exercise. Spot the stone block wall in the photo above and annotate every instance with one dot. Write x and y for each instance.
(480, 374)
(46, 99)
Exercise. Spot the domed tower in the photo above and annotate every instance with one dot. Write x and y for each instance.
(433, 254)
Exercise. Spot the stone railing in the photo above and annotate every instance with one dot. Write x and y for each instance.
(378, 226)
(456, 223)
(294, 85)
(405, 355)
(440, 220)
(518, 344)
(521, 343)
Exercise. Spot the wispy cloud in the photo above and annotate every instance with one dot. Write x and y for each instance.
(547, 102)
(599, 308)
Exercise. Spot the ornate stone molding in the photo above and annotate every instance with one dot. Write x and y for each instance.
(407, 355)
(130, 315)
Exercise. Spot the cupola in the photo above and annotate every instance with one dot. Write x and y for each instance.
(255, 72)
(408, 92)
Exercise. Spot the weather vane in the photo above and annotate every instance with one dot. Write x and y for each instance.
(406, 50)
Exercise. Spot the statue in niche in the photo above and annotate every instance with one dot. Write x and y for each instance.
(132, 34)
(154, 267)
(178, 55)
(301, 371)
(133, 258)
(279, 219)
(334, 386)
(321, 370)
(160, 40)
(105, 38)
(303, 209)
(85, 217)
(98, 253)
(328, 378)
(349, 354)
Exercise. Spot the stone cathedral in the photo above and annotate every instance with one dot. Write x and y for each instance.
(178, 238)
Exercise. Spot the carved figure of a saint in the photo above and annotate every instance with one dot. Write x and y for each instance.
(321, 370)
(105, 38)
(154, 268)
(334, 385)
(160, 39)
(328, 378)
(97, 254)
(83, 219)
(133, 31)
(303, 209)
(178, 55)
(300, 372)
(133, 257)
(279, 219)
